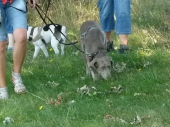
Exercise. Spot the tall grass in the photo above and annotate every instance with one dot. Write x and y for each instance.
(69, 13)
(152, 21)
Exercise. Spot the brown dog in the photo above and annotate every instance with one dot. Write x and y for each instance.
(93, 44)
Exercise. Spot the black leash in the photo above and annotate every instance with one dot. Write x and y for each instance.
(38, 10)
(47, 8)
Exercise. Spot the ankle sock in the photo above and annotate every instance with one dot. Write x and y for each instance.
(3, 93)
(16, 75)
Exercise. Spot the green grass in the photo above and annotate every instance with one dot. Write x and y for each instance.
(53, 82)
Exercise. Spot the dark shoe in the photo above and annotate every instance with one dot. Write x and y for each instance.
(110, 46)
(123, 49)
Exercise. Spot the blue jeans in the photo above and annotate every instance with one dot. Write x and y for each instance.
(8, 26)
(122, 11)
(17, 19)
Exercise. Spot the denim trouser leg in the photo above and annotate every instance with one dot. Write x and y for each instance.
(106, 13)
(8, 26)
(121, 9)
(123, 16)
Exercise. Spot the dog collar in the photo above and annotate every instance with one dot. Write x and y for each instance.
(31, 34)
(91, 56)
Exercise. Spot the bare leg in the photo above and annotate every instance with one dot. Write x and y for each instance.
(108, 36)
(2, 64)
(18, 58)
(123, 43)
(20, 49)
(3, 87)
(123, 39)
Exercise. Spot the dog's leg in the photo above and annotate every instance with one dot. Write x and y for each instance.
(54, 44)
(44, 49)
(94, 75)
(37, 49)
(62, 47)
(87, 71)
(63, 39)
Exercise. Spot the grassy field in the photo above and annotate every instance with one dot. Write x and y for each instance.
(136, 95)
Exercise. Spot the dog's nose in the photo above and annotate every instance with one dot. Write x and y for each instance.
(106, 77)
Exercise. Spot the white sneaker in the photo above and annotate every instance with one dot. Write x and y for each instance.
(18, 85)
(3, 93)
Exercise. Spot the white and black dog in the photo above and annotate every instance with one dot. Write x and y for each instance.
(40, 36)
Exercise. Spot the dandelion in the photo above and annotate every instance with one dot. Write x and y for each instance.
(143, 53)
(51, 49)
(111, 84)
(41, 107)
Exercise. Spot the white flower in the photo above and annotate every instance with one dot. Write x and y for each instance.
(72, 102)
(8, 120)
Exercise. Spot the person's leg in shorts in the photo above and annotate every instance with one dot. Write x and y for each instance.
(106, 13)
(121, 9)
(18, 21)
(123, 22)
(3, 38)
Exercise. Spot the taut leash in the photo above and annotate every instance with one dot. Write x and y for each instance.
(38, 10)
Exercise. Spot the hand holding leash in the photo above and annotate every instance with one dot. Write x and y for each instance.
(32, 3)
